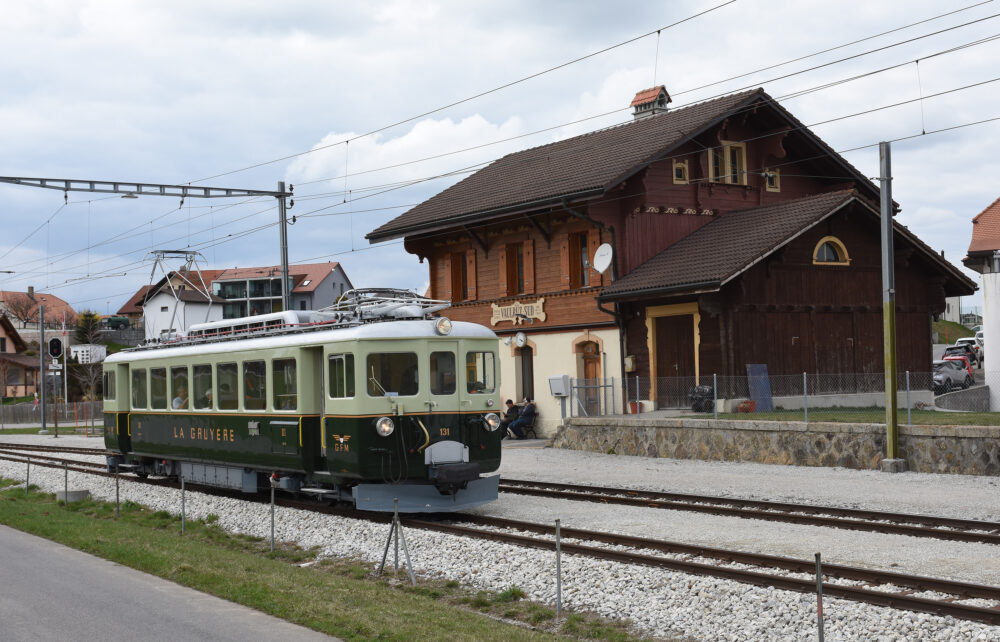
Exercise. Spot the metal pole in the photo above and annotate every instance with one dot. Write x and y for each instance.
(819, 596)
(715, 395)
(406, 551)
(183, 512)
(888, 302)
(65, 483)
(27, 478)
(558, 571)
(286, 303)
(909, 419)
(805, 397)
(118, 507)
(395, 539)
(41, 367)
(272, 519)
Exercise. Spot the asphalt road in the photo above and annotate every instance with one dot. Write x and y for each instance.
(51, 592)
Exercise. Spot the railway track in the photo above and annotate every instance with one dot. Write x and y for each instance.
(945, 528)
(961, 600)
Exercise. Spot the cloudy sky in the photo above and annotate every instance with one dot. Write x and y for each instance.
(247, 93)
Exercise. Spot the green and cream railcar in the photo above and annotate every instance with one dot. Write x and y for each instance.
(369, 412)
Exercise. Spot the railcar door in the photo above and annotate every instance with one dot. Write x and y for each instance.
(117, 434)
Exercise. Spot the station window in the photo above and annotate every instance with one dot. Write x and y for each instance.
(286, 395)
(515, 268)
(831, 251)
(179, 388)
(772, 180)
(480, 372)
(728, 163)
(680, 172)
(254, 385)
(158, 388)
(202, 380)
(109, 386)
(227, 380)
(442, 373)
(579, 275)
(139, 389)
(392, 372)
(341, 375)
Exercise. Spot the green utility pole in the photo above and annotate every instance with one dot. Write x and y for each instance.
(892, 462)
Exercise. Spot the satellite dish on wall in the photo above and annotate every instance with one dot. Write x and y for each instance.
(602, 258)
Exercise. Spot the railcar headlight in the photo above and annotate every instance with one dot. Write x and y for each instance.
(492, 421)
(384, 426)
(443, 326)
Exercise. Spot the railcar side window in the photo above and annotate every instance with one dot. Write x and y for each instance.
(109, 386)
(392, 372)
(254, 385)
(158, 388)
(139, 389)
(443, 373)
(227, 379)
(286, 395)
(202, 379)
(341, 375)
(480, 372)
(179, 388)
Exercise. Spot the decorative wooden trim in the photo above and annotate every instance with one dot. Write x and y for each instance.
(586, 337)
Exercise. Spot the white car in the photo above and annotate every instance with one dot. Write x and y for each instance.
(971, 342)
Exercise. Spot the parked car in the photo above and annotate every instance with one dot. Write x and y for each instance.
(962, 360)
(115, 323)
(962, 349)
(949, 375)
(975, 346)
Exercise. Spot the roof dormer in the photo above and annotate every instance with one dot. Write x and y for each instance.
(650, 102)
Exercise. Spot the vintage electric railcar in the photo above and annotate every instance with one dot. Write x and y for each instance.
(369, 401)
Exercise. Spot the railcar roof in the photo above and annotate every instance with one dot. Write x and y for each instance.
(386, 330)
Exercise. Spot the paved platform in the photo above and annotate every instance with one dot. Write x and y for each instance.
(52, 592)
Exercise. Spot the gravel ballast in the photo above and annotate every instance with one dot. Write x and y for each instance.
(660, 603)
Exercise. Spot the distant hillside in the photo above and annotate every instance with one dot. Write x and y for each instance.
(949, 331)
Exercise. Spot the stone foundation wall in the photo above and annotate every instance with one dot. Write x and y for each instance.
(966, 450)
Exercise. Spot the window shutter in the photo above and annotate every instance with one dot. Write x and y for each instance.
(593, 242)
(564, 261)
(446, 262)
(529, 267)
(470, 273)
(502, 268)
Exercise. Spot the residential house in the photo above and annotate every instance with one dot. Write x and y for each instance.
(18, 371)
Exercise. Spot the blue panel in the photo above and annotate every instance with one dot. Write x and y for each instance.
(425, 498)
(760, 386)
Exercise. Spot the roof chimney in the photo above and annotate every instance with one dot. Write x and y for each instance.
(31, 291)
(650, 102)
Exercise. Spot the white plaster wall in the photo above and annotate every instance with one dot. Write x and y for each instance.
(187, 314)
(554, 356)
(991, 335)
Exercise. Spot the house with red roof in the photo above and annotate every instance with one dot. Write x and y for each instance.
(18, 371)
(737, 237)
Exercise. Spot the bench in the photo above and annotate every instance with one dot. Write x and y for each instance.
(527, 429)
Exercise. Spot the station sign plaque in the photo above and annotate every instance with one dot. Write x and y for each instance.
(518, 312)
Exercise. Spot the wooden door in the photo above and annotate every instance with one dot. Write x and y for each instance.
(591, 392)
(674, 360)
(526, 375)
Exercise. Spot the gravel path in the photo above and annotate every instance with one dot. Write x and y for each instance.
(663, 604)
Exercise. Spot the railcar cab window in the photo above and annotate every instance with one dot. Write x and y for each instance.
(443, 373)
(202, 392)
(158, 388)
(341, 375)
(227, 380)
(109, 386)
(480, 372)
(254, 385)
(179, 388)
(139, 389)
(392, 372)
(286, 395)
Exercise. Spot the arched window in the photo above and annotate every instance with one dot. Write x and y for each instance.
(830, 251)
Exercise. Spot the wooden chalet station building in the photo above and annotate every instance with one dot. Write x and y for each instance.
(739, 237)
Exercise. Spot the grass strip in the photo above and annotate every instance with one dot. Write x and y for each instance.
(336, 597)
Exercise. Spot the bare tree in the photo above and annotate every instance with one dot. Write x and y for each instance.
(87, 376)
(21, 306)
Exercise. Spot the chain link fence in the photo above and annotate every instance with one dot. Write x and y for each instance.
(921, 397)
(595, 397)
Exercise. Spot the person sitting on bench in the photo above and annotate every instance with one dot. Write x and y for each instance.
(508, 416)
(525, 418)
